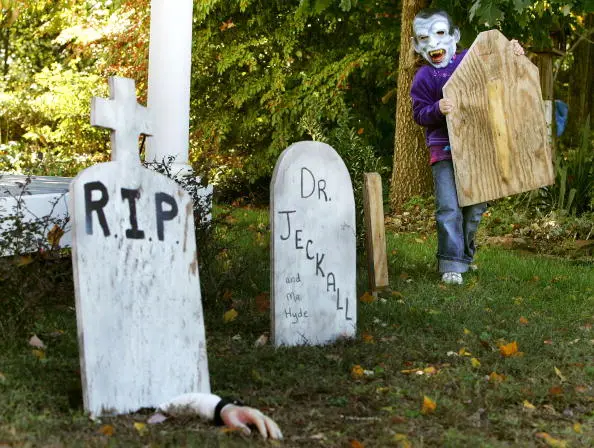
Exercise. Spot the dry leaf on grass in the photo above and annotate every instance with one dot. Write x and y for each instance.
(230, 315)
(367, 297)
(36, 342)
(157, 418)
(429, 406)
(550, 440)
(140, 428)
(495, 377)
(511, 349)
(357, 372)
(261, 341)
(106, 430)
(560, 375)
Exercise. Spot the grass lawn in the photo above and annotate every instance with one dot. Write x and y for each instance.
(505, 360)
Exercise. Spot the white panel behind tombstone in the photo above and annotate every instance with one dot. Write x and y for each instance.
(138, 304)
(313, 248)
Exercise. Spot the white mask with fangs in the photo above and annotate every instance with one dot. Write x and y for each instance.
(433, 40)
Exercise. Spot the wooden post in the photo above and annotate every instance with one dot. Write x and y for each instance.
(376, 237)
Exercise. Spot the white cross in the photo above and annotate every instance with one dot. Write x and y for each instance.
(124, 116)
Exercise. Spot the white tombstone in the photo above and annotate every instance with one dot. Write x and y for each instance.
(138, 305)
(313, 250)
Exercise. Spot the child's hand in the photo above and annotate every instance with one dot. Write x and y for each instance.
(445, 106)
(518, 50)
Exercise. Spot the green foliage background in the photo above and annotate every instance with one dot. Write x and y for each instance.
(261, 69)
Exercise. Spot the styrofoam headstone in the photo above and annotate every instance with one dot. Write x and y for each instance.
(138, 303)
(313, 250)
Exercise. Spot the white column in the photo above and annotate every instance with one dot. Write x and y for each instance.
(170, 56)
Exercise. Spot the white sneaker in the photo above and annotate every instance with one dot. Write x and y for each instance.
(452, 278)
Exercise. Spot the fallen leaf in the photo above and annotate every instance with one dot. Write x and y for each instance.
(360, 131)
(510, 349)
(263, 302)
(464, 352)
(227, 294)
(577, 428)
(419, 240)
(551, 441)
(523, 320)
(227, 25)
(2, 377)
(367, 338)
(356, 444)
(367, 297)
(23, 260)
(430, 371)
(36, 342)
(429, 405)
(318, 436)
(549, 409)
(475, 363)
(559, 374)
(548, 342)
(402, 441)
(556, 390)
(156, 419)
(230, 315)
(467, 331)
(262, 340)
(528, 406)
(54, 236)
(357, 372)
(495, 377)
(39, 354)
(140, 428)
(106, 430)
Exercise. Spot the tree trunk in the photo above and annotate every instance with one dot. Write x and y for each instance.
(411, 174)
(581, 90)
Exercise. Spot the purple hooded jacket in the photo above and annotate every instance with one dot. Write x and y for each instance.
(426, 93)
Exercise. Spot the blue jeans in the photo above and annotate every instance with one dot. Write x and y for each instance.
(456, 226)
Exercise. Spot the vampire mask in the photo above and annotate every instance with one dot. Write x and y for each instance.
(435, 38)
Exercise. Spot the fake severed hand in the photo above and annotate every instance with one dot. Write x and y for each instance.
(239, 417)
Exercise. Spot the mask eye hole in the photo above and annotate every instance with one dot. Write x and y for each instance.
(441, 33)
(423, 38)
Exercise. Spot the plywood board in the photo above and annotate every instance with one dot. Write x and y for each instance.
(497, 130)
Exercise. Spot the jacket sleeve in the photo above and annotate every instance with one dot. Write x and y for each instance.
(425, 102)
(201, 404)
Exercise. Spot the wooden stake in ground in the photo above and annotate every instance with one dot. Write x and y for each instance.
(138, 304)
(376, 238)
(498, 131)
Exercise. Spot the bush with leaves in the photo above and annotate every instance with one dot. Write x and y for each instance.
(33, 268)
(358, 156)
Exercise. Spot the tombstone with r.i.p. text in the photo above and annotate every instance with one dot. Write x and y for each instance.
(138, 303)
(313, 250)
